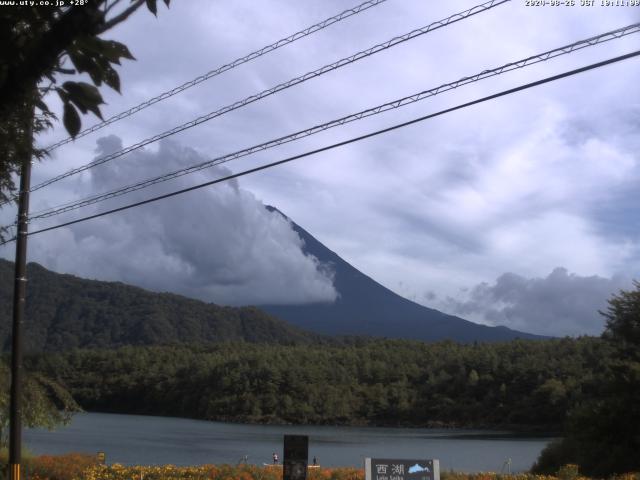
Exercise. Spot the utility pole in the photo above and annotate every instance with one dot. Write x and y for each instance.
(19, 297)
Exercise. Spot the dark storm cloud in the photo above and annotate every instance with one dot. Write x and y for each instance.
(559, 304)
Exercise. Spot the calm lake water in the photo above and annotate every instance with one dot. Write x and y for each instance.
(143, 440)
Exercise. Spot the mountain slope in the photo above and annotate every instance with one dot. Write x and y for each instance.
(365, 307)
(64, 311)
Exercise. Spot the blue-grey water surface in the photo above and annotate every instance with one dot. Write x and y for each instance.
(146, 440)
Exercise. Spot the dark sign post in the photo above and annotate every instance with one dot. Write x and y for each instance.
(401, 469)
(296, 457)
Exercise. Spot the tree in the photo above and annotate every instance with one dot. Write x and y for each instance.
(623, 321)
(602, 434)
(41, 48)
(46, 403)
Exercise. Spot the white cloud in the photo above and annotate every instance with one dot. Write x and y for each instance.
(218, 244)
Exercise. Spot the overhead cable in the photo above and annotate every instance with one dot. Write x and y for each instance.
(224, 68)
(282, 86)
(595, 40)
(340, 144)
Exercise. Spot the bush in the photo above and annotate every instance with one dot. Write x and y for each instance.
(27, 459)
(70, 466)
(568, 472)
(558, 453)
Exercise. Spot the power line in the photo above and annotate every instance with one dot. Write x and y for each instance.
(595, 40)
(224, 68)
(345, 142)
(290, 83)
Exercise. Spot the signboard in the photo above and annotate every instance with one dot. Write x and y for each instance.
(101, 457)
(401, 469)
(296, 457)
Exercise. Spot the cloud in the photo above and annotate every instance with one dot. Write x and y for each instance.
(560, 304)
(218, 244)
(537, 179)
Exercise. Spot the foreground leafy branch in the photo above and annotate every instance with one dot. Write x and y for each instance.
(44, 49)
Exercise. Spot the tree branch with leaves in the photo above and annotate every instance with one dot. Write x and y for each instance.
(46, 403)
(43, 51)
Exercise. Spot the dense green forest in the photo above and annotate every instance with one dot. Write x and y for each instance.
(64, 312)
(522, 384)
(602, 431)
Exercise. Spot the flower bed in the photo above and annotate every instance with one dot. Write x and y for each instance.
(76, 466)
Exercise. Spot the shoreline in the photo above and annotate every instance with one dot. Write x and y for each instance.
(536, 431)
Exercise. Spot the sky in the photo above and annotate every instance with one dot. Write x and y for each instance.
(520, 211)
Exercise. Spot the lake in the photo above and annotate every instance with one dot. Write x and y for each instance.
(146, 440)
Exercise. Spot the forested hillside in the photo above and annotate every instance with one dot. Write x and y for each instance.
(64, 311)
(526, 384)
